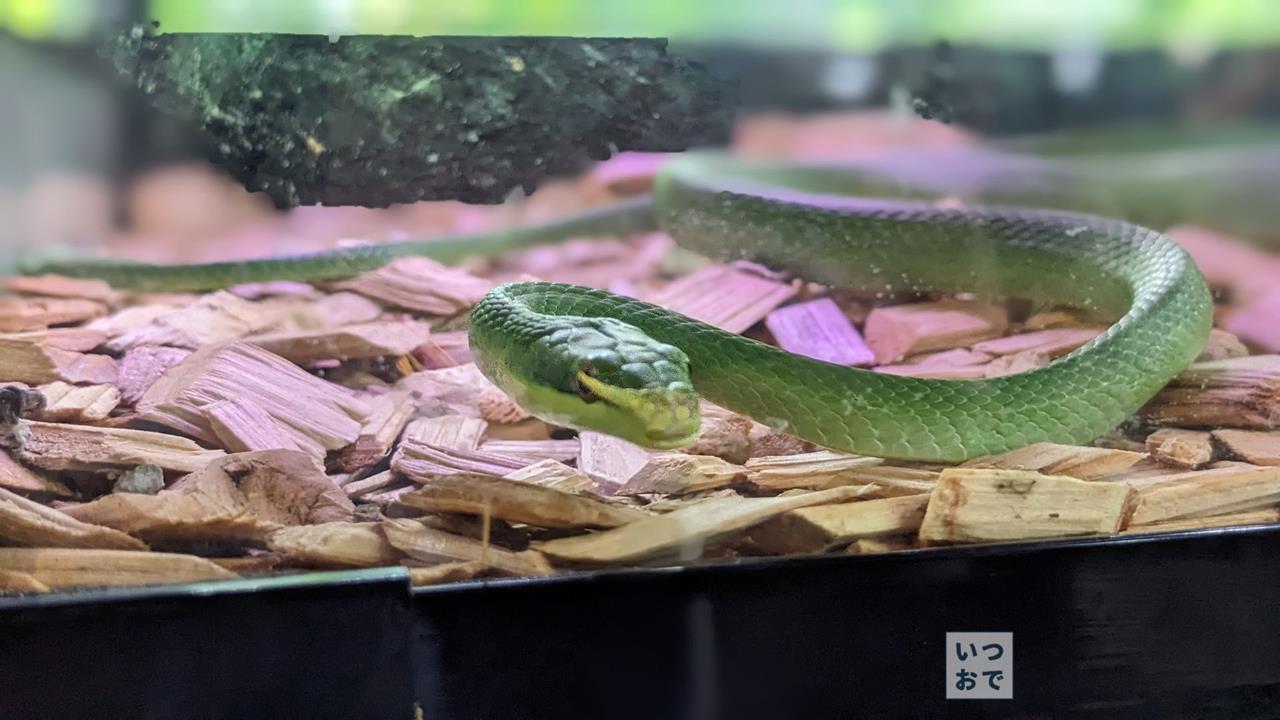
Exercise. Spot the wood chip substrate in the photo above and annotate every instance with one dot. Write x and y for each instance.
(287, 428)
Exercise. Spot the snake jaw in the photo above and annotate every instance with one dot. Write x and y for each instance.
(667, 418)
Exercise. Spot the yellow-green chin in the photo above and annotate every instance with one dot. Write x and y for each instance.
(661, 420)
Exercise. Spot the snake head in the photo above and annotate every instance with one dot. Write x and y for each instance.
(605, 375)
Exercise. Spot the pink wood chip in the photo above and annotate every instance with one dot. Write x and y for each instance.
(818, 329)
(723, 296)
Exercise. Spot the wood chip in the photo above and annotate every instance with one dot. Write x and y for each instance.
(57, 446)
(243, 426)
(371, 484)
(15, 476)
(1238, 392)
(444, 349)
(1052, 343)
(725, 297)
(956, 364)
(1222, 345)
(1233, 488)
(553, 474)
(244, 496)
(142, 366)
(894, 332)
(388, 416)
(260, 563)
(979, 505)
(610, 461)
(1268, 516)
(533, 450)
(365, 340)
(65, 568)
(814, 470)
(1020, 362)
(323, 312)
(432, 546)
(60, 286)
(819, 329)
(420, 284)
(334, 545)
(1243, 270)
(75, 339)
(678, 474)
(421, 462)
(1259, 448)
(459, 388)
(817, 529)
(28, 362)
(27, 523)
(23, 313)
(451, 572)
(685, 534)
(453, 432)
(1258, 322)
(875, 546)
(134, 317)
(311, 411)
(88, 404)
(723, 434)
(515, 501)
(1085, 463)
(12, 581)
(213, 319)
(1181, 448)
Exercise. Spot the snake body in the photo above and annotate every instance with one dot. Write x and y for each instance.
(594, 360)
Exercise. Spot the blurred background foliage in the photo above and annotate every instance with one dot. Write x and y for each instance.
(1182, 26)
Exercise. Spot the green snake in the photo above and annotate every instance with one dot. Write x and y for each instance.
(589, 359)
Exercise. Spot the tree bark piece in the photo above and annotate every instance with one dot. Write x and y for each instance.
(979, 505)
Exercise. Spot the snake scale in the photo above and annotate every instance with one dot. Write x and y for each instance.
(592, 360)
